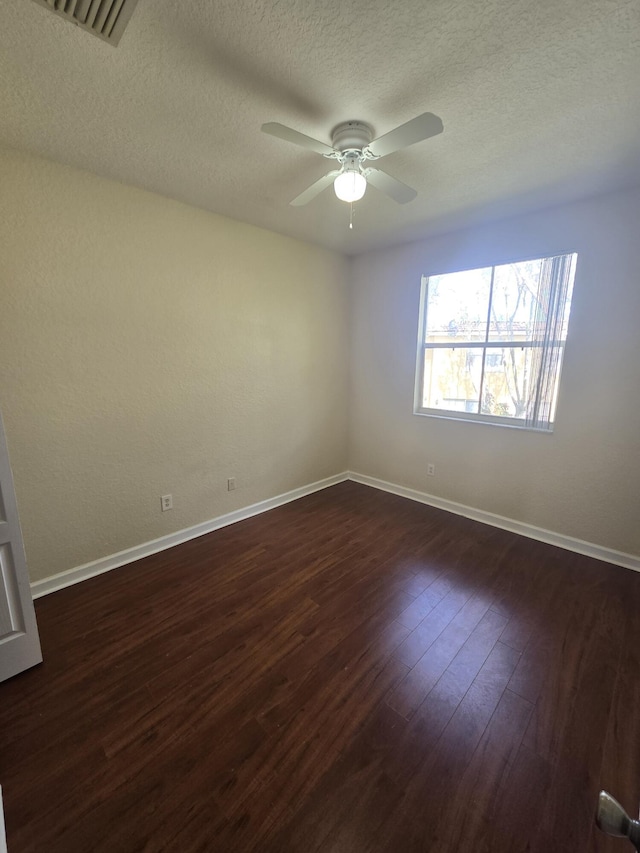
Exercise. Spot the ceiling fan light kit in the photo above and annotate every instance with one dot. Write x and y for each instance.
(350, 185)
(351, 147)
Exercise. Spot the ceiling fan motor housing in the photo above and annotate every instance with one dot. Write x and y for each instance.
(351, 136)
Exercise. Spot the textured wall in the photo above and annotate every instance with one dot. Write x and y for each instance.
(149, 348)
(584, 479)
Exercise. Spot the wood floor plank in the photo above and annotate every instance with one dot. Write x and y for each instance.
(420, 680)
(417, 826)
(468, 823)
(351, 671)
(430, 628)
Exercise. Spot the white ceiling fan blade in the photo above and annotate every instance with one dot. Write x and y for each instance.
(392, 187)
(419, 128)
(274, 128)
(315, 189)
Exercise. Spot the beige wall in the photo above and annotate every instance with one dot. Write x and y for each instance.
(581, 481)
(149, 348)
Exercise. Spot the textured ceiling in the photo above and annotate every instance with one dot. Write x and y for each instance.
(539, 101)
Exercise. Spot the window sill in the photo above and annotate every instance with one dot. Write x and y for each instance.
(486, 420)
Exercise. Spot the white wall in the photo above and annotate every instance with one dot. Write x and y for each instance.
(584, 479)
(147, 348)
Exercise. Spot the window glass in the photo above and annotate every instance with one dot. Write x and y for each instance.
(492, 341)
(514, 301)
(458, 306)
(452, 379)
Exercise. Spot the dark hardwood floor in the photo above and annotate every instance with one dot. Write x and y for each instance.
(349, 672)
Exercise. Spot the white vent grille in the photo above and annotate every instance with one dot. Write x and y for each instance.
(104, 18)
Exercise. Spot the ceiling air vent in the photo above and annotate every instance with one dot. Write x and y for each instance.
(104, 18)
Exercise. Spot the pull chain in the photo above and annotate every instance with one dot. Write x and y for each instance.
(351, 217)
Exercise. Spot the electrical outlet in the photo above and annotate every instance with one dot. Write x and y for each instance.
(231, 484)
(166, 502)
(431, 470)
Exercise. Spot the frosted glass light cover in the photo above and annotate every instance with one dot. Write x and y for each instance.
(350, 186)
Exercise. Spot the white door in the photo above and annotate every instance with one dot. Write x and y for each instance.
(19, 641)
(3, 837)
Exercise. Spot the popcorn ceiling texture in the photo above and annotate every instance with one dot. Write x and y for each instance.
(148, 348)
(539, 103)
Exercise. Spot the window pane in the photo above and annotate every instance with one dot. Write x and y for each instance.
(515, 301)
(509, 381)
(457, 306)
(452, 379)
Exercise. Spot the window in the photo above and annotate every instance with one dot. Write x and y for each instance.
(491, 342)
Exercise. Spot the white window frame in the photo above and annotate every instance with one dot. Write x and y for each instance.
(473, 417)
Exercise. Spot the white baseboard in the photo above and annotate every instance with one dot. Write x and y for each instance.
(569, 543)
(130, 555)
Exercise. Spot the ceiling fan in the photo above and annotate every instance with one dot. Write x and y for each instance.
(352, 148)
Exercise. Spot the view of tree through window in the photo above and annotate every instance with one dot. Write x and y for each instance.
(492, 341)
